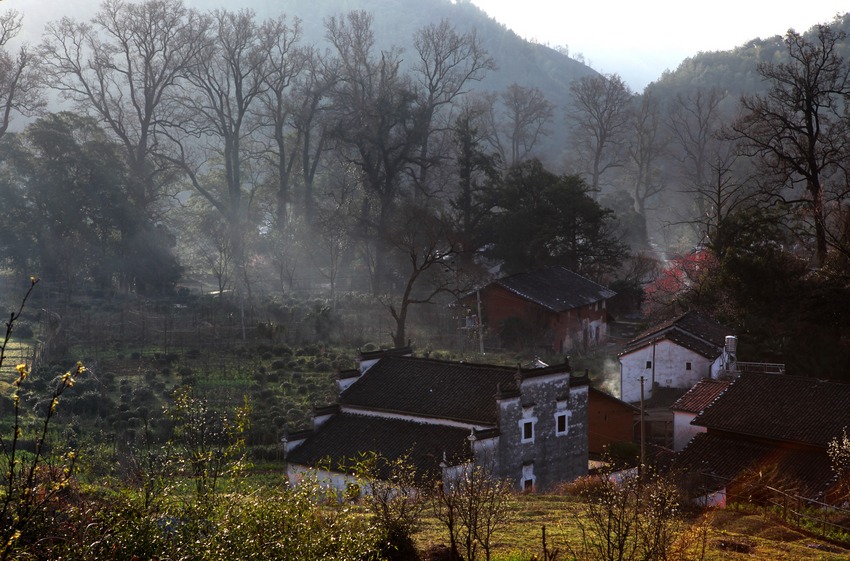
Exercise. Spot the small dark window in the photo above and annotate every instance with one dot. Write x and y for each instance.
(527, 430)
(562, 423)
(687, 366)
(528, 485)
(649, 364)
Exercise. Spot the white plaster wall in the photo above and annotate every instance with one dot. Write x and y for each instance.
(327, 479)
(670, 369)
(683, 430)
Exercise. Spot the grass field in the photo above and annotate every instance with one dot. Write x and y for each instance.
(732, 535)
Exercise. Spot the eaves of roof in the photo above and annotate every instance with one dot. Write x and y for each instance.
(679, 337)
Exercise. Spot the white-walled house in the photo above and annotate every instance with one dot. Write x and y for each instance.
(529, 425)
(675, 354)
(687, 407)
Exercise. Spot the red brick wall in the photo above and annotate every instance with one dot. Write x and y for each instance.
(608, 421)
(498, 304)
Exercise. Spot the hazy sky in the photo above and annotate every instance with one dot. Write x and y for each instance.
(639, 40)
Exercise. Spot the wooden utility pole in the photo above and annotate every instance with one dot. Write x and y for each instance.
(642, 428)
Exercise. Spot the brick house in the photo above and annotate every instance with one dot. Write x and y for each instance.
(676, 354)
(560, 309)
(767, 429)
(525, 424)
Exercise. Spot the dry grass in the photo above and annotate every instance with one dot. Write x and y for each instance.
(732, 535)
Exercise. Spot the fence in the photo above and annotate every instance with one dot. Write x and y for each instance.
(809, 514)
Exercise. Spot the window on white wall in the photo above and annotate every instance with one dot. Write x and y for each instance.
(562, 423)
(528, 431)
(526, 424)
(649, 364)
(687, 366)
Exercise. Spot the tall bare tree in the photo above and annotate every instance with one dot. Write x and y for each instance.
(447, 62)
(377, 121)
(212, 135)
(525, 120)
(648, 145)
(694, 120)
(286, 61)
(120, 68)
(600, 118)
(798, 130)
(20, 91)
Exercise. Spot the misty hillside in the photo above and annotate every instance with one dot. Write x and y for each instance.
(395, 22)
(735, 70)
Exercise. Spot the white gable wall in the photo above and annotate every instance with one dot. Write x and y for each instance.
(683, 430)
(668, 368)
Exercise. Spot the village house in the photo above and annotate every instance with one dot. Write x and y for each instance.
(766, 430)
(559, 309)
(675, 354)
(687, 407)
(528, 425)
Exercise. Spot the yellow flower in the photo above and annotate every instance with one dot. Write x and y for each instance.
(22, 370)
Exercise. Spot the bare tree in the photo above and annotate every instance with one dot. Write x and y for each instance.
(19, 88)
(732, 205)
(526, 117)
(286, 61)
(314, 87)
(121, 68)
(447, 62)
(473, 505)
(213, 123)
(694, 120)
(648, 145)
(599, 118)
(798, 131)
(426, 252)
(377, 121)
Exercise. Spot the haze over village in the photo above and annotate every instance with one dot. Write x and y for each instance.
(388, 280)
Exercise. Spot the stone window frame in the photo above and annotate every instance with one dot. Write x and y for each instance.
(527, 425)
(565, 417)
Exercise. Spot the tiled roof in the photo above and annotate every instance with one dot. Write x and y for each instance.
(781, 407)
(432, 388)
(700, 396)
(556, 288)
(716, 460)
(381, 353)
(345, 437)
(691, 330)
